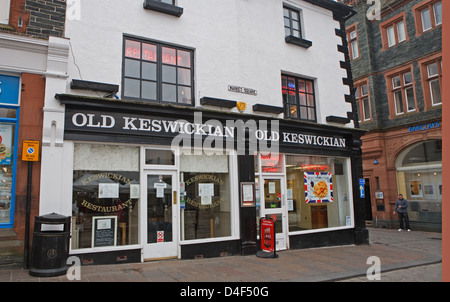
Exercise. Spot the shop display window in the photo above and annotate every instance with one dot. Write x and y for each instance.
(205, 201)
(419, 178)
(318, 192)
(105, 205)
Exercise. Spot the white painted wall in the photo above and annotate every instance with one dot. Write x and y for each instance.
(236, 42)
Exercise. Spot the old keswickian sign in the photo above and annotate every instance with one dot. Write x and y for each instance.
(265, 134)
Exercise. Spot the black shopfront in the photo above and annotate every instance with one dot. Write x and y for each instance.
(168, 181)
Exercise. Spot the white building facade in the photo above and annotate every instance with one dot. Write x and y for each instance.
(182, 123)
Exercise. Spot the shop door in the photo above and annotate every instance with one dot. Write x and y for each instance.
(273, 205)
(160, 223)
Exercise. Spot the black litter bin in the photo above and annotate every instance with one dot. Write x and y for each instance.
(50, 248)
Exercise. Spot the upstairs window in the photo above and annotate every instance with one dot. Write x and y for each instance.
(363, 101)
(352, 39)
(292, 27)
(434, 74)
(393, 31)
(428, 15)
(4, 11)
(401, 93)
(157, 72)
(292, 22)
(298, 98)
(403, 90)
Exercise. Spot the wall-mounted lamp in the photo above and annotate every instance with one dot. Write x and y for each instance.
(375, 162)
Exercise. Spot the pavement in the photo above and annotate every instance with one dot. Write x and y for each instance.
(399, 256)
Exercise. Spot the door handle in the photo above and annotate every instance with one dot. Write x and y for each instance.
(174, 197)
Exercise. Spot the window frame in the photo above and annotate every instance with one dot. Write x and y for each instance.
(394, 24)
(360, 97)
(426, 79)
(159, 81)
(291, 28)
(298, 103)
(403, 88)
(291, 38)
(418, 11)
(353, 29)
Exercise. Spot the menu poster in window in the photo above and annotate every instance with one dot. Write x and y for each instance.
(108, 190)
(247, 191)
(6, 131)
(318, 187)
(104, 231)
(160, 186)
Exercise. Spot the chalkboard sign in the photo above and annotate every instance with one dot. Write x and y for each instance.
(104, 231)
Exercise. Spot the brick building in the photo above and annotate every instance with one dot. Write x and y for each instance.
(396, 58)
(32, 58)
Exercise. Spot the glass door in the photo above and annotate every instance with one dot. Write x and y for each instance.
(160, 223)
(273, 205)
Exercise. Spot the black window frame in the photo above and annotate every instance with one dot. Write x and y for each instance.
(291, 38)
(159, 71)
(297, 92)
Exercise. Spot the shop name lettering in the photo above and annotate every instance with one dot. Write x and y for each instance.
(106, 209)
(137, 124)
(424, 127)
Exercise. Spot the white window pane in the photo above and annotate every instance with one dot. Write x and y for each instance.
(364, 90)
(398, 102)
(407, 78)
(432, 69)
(426, 19)
(355, 50)
(366, 108)
(353, 35)
(438, 13)
(401, 31)
(435, 90)
(390, 36)
(396, 82)
(410, 99)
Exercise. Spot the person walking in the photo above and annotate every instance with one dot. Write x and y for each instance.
(401, 207)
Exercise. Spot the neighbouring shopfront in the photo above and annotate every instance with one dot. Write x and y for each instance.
(410, 164)
(155, 181)
(419, 179)
(9, 129)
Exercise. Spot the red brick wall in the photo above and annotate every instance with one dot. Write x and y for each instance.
(30, 128)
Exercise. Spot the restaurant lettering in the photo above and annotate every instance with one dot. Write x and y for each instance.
(106, 209)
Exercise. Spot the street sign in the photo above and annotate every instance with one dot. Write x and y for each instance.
(362, 182)
(30, 150)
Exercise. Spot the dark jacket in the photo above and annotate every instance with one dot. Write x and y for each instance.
(401, 205)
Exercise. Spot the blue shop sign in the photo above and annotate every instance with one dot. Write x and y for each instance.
(424, 126)
(9, 90)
